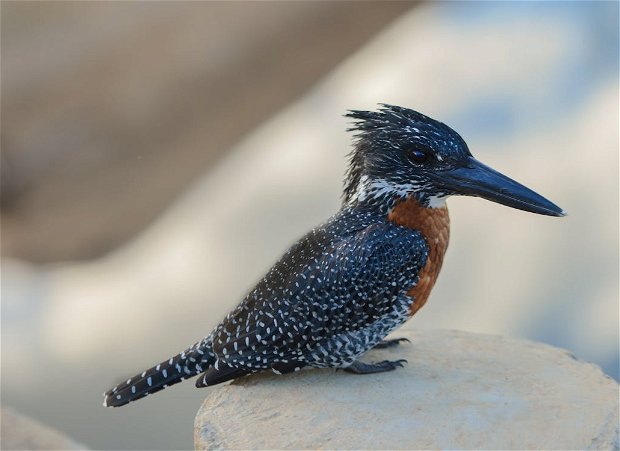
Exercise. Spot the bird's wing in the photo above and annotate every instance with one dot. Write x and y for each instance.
(303, 303)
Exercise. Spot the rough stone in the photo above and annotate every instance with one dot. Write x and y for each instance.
(459, 391)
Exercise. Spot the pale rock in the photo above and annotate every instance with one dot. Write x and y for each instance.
(459, 391)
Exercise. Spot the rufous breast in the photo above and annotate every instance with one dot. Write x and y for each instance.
(434, 224)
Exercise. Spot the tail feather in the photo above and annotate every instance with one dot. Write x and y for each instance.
(224, 373)
(169, 372)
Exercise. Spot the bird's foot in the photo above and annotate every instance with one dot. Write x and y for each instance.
(358, 367)
(391, 343)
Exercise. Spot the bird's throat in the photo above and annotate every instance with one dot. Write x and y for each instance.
(434, 224)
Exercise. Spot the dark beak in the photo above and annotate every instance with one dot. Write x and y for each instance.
(477, 179)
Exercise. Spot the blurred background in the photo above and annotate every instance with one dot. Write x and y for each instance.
(158, 157)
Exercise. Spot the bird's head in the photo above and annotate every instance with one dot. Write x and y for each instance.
(400, 153)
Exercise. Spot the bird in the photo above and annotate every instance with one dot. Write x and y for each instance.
(349, 282)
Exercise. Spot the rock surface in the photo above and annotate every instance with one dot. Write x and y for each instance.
(459, 391)
(20, 432)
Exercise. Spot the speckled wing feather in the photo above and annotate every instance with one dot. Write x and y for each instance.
(335, 290)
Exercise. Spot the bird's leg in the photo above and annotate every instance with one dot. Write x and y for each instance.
(358, 367)
(391, 343)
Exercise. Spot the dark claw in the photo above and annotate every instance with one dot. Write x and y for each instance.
(370, 368)
(391, 343)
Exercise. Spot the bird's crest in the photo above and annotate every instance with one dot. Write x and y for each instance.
(387, 117)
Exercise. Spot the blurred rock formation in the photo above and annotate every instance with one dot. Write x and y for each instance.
(19, 432)
(110, 110)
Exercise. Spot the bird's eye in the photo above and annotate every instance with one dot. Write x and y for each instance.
(418, 156)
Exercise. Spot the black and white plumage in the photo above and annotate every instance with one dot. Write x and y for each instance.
(348, 283)
(335, 294)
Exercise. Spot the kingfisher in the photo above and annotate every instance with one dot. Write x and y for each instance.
(343, 287)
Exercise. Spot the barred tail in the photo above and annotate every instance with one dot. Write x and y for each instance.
(178, 368)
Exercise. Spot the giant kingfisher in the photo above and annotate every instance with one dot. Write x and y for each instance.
(343, 287)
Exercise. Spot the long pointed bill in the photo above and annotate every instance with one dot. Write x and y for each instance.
(477, 179)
